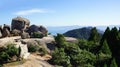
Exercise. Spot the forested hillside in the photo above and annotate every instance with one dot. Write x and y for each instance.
(97, 51)
(82, 33)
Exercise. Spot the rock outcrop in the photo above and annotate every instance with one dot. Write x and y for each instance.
(20, 23)
(24, 35)
(16, 32)
(1, 31)
(6, 32)
(0, 34)
(43, 30)
(7, 26)
(35, 28)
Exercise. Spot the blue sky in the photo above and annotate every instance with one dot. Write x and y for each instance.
(62, 12)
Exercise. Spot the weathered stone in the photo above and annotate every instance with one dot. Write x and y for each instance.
(35, 28)
(1, 28)
(1, 31)
(6, 26)
(16, 32)
(0, 34)
(43, 30)
(20, 23)
(25, 35)
(6, 32)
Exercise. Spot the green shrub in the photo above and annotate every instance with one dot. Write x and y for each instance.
(4, 57)
(42, 51)
(37, 35)
(33, 48)
(6, 53)
(60, 58)
(12, 50)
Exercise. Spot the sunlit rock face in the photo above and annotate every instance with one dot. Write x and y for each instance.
(20, 23)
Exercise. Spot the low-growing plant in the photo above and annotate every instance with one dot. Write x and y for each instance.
(33, 48)
(37, 35)
(42, 51)
(6, 53)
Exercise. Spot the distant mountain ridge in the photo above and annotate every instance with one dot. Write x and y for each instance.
(81, 33)
(62, 29)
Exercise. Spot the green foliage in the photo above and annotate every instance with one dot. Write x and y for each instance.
(83, 44)
(0, 65)
(33, 48)
(113, 63)
(82, 33)
(60, 57)
(42, 51)
(60, 40)
(105, 65)
(105, 48)
(4, 57)
(73, 54)
(113, 39)
(37, 35)
(12, 50)
(84, 57)
(105, 35)
(8, 52)
(94, 52)
(89, 46)
(94, 36)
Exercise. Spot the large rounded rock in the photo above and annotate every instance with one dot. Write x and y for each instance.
(20, 23)
(1, 31)
(0, 34)
(1, 28)
(43, 30)
(35, 28)
(7, 26)
(6, 32)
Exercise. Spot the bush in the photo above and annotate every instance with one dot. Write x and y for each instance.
(33, 48)
(6, 53)
(60, 58)
(37, 35)
(4, 57)
(42, 51)
(12, 50)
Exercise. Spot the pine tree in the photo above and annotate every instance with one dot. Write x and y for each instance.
(94, 36)
(60, 40)
(113, 63)
(105, 65)
(105, 35)
(105, 48)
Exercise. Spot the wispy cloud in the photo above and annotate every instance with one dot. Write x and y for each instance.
(31, 11)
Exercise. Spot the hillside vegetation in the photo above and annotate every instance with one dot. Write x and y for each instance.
(81, 33)
(97, 51)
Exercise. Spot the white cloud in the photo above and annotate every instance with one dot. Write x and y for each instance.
(31, 11)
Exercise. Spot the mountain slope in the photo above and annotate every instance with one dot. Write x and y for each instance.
(82, 33)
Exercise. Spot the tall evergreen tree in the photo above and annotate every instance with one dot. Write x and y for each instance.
(94, 36)
(60, 40)
(113, 63)
(105, 65)
(105, 48)
(105, 35)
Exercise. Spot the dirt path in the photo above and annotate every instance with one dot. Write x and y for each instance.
(35, 61)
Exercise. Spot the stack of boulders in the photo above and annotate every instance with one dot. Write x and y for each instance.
(38, 29)
(5, 31)
(21, 27)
